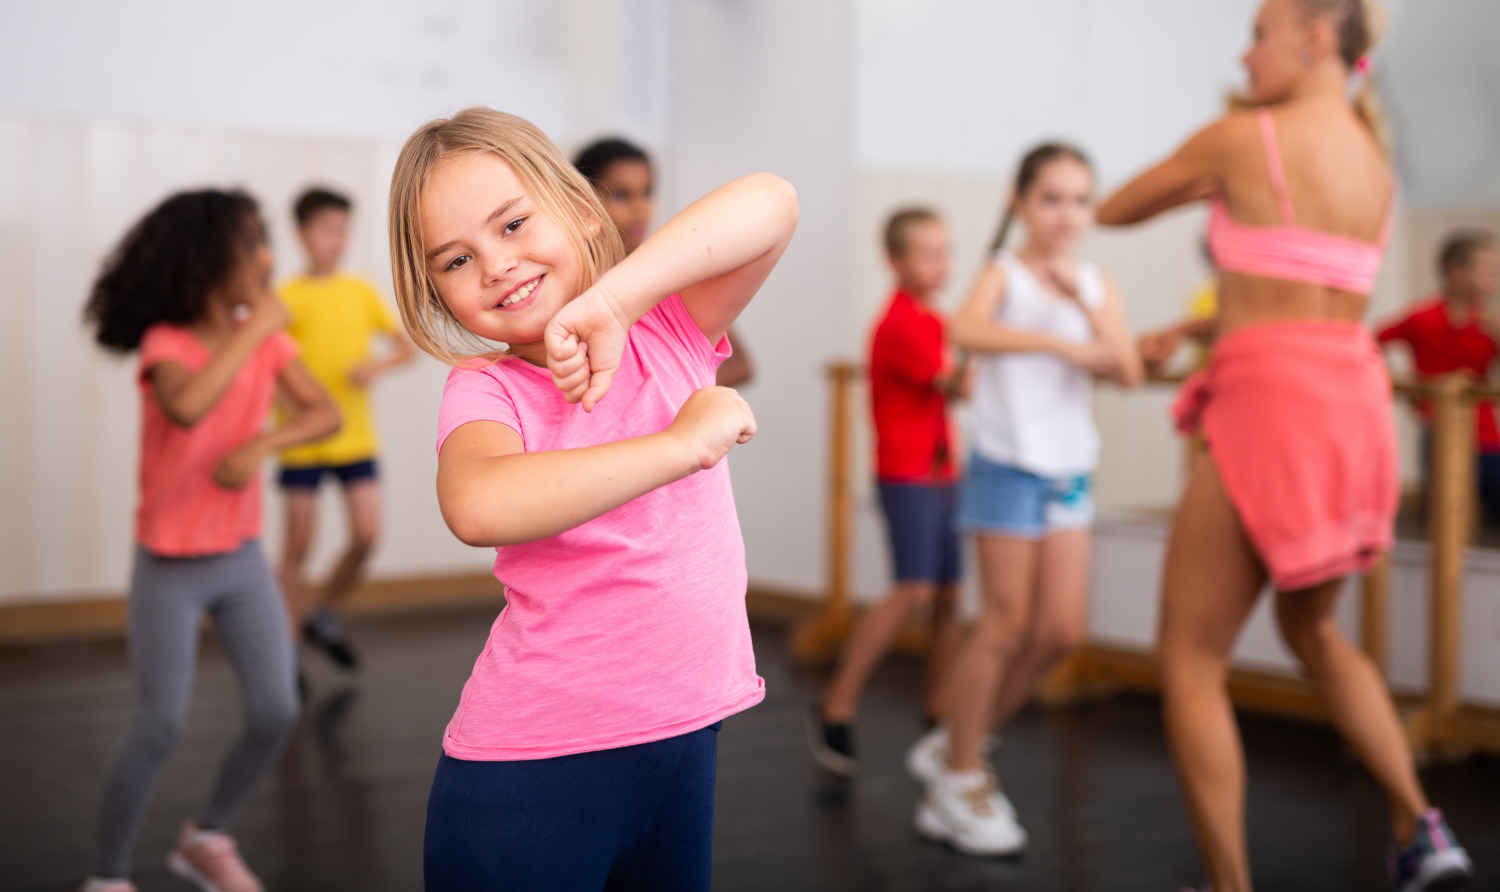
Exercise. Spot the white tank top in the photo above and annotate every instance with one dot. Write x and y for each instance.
(1034, 411)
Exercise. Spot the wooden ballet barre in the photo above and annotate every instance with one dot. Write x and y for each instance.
(819, 640)
(1439, 726)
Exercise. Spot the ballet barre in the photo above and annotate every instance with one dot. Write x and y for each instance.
(1437, 722)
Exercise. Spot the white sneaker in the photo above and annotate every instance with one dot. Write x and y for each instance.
(927, 760)
(96, 884)
(928, 757)
(965, 810)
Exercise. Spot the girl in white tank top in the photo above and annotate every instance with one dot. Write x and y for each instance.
(1042, 326)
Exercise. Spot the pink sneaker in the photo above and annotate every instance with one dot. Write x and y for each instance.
(94, 884)
(208, 858)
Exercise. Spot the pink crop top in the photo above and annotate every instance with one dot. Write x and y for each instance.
(1286, 250)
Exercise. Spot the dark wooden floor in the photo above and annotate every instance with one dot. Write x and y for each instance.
(344, 810)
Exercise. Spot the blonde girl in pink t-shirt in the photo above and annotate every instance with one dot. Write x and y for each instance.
(189, 289)
(589, 452)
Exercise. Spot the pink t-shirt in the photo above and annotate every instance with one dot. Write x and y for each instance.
(631, 627)
(183, 512)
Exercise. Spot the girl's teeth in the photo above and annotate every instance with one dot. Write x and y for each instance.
(520, 294)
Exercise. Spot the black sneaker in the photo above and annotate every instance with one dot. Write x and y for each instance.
(335, 646)
(832, 745)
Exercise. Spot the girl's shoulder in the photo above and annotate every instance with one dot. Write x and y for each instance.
(170, 342)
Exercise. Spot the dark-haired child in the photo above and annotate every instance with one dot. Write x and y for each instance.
(912, 376)
(1448, 332)
(172, 290)
(336, 318)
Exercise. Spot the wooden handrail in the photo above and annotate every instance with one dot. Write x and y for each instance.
(1450, 520)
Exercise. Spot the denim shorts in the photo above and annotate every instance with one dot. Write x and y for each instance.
(919, 517)
(1002, 500)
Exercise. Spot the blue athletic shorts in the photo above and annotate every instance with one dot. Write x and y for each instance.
(1001, 500)
(310, 477)
(919, 518)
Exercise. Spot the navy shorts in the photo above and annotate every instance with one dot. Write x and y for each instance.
(633, 818)
(310, 477)
(924, 543)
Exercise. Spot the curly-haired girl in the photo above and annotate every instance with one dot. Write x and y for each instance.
(177, 289)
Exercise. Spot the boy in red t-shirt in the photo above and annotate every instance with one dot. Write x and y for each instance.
(912, 376)
(1449, 332)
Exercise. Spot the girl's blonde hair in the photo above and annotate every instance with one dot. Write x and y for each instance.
(1359, 25)
(559, 190)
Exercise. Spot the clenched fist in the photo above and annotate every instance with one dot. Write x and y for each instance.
(712, 421)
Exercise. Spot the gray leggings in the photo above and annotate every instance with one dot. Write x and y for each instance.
(168, 597)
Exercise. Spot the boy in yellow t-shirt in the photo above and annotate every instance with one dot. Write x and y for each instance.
(335, 319)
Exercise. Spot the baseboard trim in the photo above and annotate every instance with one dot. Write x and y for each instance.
(101, 615)
(95, 615)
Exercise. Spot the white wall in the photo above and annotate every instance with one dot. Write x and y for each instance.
(765, 86)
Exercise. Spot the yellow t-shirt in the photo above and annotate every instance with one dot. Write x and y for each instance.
(334, 319)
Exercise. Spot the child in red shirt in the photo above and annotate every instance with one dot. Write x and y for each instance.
(1449, 332)
(912, 377)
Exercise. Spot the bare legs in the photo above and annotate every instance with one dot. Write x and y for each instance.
(1035, 598)
(1356, 698)
(872, 635)
(362, 502)
(301, 503)
(1211, 584)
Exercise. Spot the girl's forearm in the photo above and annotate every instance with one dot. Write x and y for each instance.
(728, 228)
(522, 497)
(197, 394)
(312, 423)
(991, 337)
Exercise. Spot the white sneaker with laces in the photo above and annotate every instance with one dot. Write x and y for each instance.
(965, 810)
(927, 760)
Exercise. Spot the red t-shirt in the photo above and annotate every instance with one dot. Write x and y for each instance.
(183, 512)
(911, 417)
(1439, 347)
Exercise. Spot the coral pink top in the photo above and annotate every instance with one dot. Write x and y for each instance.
(183, 512)
(1286, 250)
(628, 628)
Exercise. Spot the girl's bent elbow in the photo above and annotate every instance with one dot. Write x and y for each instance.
(468, 529)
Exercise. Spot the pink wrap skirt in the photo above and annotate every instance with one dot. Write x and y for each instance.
(1299, 421)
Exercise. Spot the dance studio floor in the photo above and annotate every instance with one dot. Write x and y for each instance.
(344, 810)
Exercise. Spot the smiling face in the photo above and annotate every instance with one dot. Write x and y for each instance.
(1059, 204)
(500, 264)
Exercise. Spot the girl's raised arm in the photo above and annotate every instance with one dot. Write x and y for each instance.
(974, 327)
(187, 396)
(1192, 174)
(716, 254)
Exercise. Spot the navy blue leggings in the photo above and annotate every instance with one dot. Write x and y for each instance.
(637, 817)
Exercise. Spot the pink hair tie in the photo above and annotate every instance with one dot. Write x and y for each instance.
(1362, 65)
